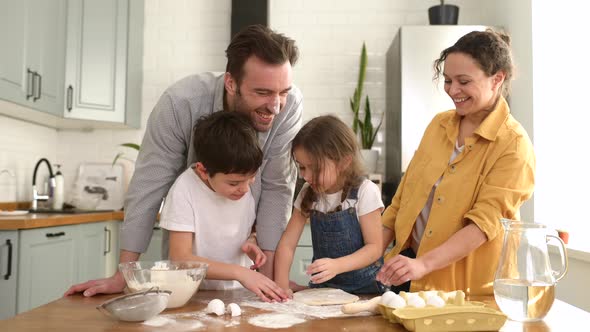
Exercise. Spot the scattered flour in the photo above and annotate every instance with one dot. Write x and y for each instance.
(172, 323)
(276, 321)
(298, 308)
(158, 321)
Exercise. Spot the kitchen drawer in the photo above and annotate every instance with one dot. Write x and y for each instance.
(305, 239)
(301, 260)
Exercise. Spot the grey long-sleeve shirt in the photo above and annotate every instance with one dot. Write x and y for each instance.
(166, 151)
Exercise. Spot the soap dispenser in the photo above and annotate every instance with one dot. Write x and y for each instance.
(58, 193)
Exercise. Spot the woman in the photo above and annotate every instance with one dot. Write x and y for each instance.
(475, 165)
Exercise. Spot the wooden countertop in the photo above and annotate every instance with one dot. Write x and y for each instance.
(76, 313)
(38, 220)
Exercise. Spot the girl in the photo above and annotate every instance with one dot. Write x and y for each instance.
(344, 211)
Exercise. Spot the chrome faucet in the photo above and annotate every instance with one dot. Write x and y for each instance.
(47, 196)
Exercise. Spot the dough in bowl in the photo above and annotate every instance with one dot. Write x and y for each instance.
(324, 296)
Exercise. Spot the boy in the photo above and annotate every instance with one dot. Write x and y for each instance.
(210, 212)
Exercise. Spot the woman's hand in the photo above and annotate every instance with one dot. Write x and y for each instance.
(401, 269)
(255, 253)
(322, 270)
(266, 289)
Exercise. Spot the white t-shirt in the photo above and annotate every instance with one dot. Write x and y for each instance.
(369, 199)
(220, 225)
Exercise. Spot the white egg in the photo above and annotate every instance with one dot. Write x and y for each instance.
(234, 309)
(396, 302)
(216, 306)
(387, 296)
(435, 301)
(416, 301)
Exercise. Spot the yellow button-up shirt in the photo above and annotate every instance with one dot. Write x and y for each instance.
(489, 180)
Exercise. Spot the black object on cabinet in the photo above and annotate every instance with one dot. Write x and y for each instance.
(248, 12)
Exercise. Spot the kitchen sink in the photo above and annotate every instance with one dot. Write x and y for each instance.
(68, 211)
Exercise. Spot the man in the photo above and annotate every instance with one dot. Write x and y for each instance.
(257, 82)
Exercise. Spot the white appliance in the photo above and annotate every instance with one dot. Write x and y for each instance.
(412, 97)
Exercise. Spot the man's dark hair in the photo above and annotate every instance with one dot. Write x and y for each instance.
(271, 47)
(226, 142)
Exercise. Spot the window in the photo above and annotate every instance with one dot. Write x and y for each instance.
(561, 118)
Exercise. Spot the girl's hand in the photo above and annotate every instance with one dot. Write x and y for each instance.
(295, 287)
(322, 270)
(266, 289)
(255, 253)
(401, 269)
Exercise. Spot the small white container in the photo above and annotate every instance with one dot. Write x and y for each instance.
(58, 192)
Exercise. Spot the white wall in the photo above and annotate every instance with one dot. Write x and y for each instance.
(515, 18)
(330, 34)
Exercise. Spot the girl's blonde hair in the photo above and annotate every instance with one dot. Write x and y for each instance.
(328, 138)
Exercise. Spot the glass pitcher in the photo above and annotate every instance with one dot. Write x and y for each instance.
(524, 286)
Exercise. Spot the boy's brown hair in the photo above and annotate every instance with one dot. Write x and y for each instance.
(226, 142)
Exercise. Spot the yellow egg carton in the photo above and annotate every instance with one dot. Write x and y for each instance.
(456, 315)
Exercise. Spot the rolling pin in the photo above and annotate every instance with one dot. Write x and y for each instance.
(354, 308)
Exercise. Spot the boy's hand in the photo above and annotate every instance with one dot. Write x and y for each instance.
(266, 289)
(255, 253)
(322, 270)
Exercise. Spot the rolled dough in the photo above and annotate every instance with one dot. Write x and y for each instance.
(324, 296)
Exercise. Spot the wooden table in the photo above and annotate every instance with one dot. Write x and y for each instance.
(76, 313)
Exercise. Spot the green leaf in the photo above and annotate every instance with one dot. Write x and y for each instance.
(127, 145)
(117, 158)
(131, 145)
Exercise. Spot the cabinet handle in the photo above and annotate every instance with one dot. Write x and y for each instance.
(108, 231)
(69, 98)
(30, 82)
(55, 234)
(9, 267)
(38, 94)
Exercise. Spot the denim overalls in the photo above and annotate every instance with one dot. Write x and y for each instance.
(337, 234)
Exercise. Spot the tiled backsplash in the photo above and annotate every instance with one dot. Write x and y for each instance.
(184, 37)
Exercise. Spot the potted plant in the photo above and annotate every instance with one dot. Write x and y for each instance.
(443, 14)
(121, 154)
(364, 128)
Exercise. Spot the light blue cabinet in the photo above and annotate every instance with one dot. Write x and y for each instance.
(87, 73)
(33, 52)
(47, 264)
(92, 250)
(103, 64)
(302, 258)
(8, 273)
(39, 265)
(154, 250)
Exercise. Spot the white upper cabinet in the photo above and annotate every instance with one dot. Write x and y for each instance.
(32, 58)
(12, 57)
(79, 60)
(104, 61)
(96, 59)
(45, 54)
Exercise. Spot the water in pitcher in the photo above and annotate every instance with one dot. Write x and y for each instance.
(524, 300)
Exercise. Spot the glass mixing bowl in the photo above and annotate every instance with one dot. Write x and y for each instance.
(181, 278)
(136, 307)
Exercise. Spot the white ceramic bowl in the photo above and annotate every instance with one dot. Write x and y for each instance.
(181, 278)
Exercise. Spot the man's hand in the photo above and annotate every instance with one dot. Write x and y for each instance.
(266, 289)
(401, 269)
(114, 284)
(322, 270)
(255, 253)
